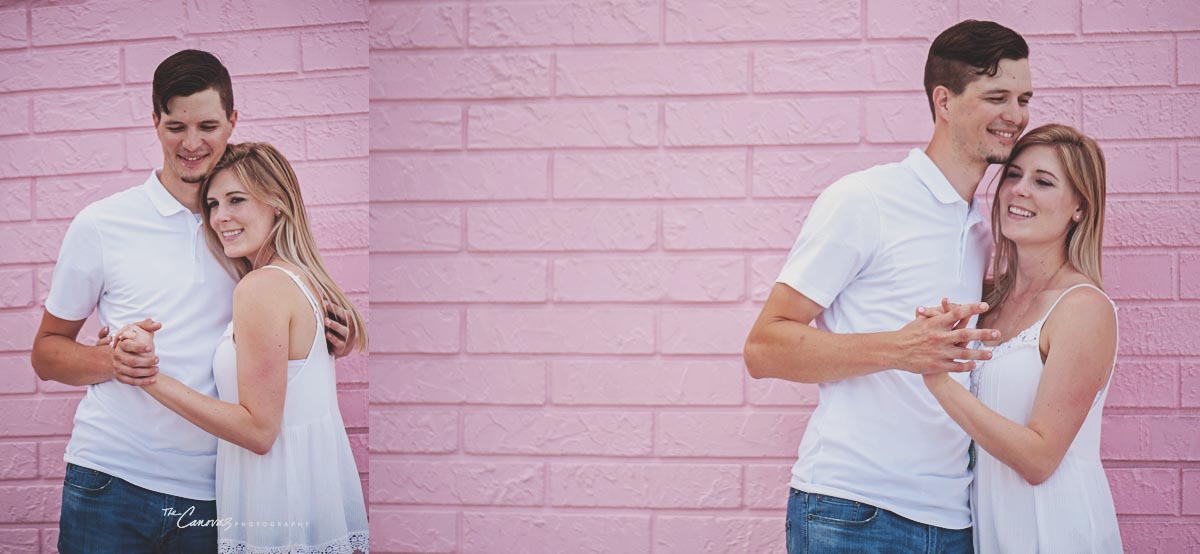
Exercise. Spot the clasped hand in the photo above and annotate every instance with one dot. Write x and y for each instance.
(936, 341)
(133, 359)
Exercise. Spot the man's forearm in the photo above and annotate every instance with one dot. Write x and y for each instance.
(793, 351)
(58, 358)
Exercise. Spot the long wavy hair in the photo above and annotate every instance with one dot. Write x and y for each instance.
(268, 177)
(1083, 162)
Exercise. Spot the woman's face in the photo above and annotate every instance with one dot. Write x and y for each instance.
(1038, 205)
(242, 222)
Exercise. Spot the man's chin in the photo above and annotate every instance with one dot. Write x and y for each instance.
(192, 179)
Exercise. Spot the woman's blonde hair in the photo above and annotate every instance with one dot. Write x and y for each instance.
(1083, 162)
(268, 177)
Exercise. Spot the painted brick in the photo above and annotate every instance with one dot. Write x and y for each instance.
(1144, 384)
(244, 15)
(415, 330)
(562, 125)
(1190, 385)
(777, 392)
(40, 243)
(1191, 492)
(1189, 275)
(527, 24)
(16, 288)
(73, 154)
(716, 535)
(334, 49)
(50, 462)
(691, 279)
(413, 431)
(1139, 168)
(730, 20)
(1123, 64)
(705, 331)
(637, 382)
(353, 405)
(20, 541)
(1139, 276)
(455, 482)
(458, 381)
(14, 30)
(633, 485)
(18, 377)
(763, 272)
(474, 177)
(50, 540)
(407, 279)
(105, 20)
(668, 174)
(407, 531)
(561, 330)
(1159, 331)
(412, 127)
(247, 54)
(734, 226)
(1055, 108)
(767, 485)
(70, 111)
(349, 271)
(1144, 491)
(419, 26)
(285, 136)
(75, 67)
(1189, 168)
(539, 532)
(16, 208)
(402, 75)
(337, 138)
(337, 227)
(909, 18)
(839, 68)
(1041, 17)
(902, 119)
(758, 434)
(30, 503)
(641, 72)
(801, 121)
(1160, 15)
(14, 115)
(39, 416)
(558, 433)
(400, 229)
(303, 97)
(18, 460)
(1150, 437)
(339, 182)
(1188, 59)
(64, 197)
(566, 228)
(1159, 222)
(804, 173)
(1160, 536)
(1141, 115)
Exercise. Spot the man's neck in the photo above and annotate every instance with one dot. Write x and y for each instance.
(964, 175)
(187, 194)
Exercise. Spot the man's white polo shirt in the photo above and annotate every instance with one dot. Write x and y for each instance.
(877, 244)
(138, 254)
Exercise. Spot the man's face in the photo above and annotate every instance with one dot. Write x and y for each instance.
(193, 135)
(990, 114)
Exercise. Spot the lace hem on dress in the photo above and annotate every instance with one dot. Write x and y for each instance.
(354, 543)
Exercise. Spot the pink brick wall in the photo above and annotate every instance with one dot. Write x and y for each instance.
(578, 208)
(75, 126)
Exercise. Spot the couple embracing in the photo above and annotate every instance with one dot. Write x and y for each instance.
(947, 424)
(211, 420)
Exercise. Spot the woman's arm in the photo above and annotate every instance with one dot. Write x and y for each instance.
(262, 322)
(1082, 337)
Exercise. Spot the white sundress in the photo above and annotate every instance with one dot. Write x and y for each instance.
(304, 496)
(1072, 511)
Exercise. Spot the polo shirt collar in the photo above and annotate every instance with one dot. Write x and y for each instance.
(932, 177)
(166, 204)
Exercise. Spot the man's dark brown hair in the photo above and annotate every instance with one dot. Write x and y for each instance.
(968, 51)
(187, 72)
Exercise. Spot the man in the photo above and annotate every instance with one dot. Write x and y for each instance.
(138, 474)
(881, 467)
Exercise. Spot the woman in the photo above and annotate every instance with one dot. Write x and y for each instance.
(1039, 485)
(286, 479)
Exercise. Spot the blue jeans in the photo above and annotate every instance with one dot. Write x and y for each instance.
(105, 514)
(823, 524)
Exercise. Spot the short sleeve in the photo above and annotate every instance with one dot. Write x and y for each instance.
(838, 239)
(79, 274)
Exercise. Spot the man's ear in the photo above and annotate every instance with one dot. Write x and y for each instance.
(941, 101)
(233, 120)
(154, 116)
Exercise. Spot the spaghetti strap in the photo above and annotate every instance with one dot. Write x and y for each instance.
(1071, 288)
(303, 288)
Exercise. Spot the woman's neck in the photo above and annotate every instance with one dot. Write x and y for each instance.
(1036, 266)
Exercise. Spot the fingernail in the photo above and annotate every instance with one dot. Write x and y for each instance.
(921, 309)
(983, 305)
(995, 334)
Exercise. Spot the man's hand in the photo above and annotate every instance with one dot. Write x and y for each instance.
(932, 343)
(338, 337)
(133, 358)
